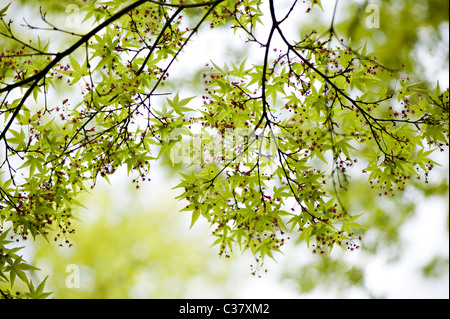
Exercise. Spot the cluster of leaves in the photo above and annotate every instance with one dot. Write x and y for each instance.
(291, 125)
(14, 265)
(311, 101)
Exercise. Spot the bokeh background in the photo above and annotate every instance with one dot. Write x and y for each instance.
(134, 243)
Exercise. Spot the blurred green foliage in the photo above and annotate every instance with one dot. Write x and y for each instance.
(403, 26)
(387, 218)
(127, 247)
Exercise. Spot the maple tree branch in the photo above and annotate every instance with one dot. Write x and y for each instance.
(83, 39)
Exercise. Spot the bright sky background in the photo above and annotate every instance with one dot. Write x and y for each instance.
(391, 280)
